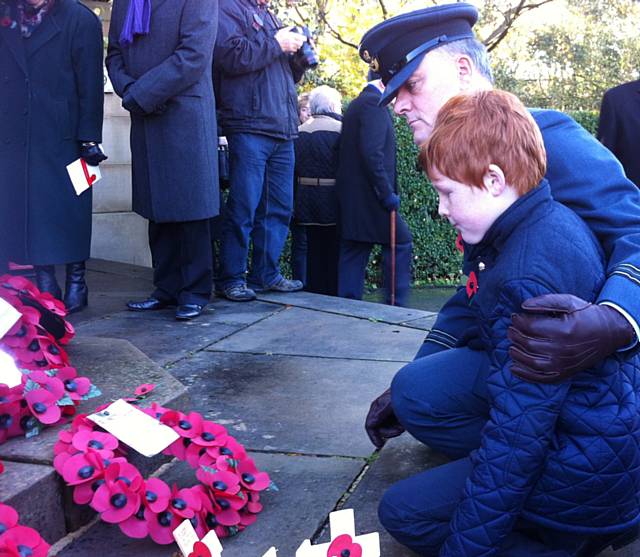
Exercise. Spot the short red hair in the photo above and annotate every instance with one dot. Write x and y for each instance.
(487, 127)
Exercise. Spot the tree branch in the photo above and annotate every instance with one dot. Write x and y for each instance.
(385, 14)
(510, 17)
(334, 32)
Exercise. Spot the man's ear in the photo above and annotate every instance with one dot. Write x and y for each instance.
(465, 69)
(493, 179)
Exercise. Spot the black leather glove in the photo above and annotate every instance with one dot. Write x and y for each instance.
(391, 202)
(130, 104)
(381, 422)
(559, 335)
(92, 153)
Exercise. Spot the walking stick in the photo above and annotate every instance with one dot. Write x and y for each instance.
(392, 217)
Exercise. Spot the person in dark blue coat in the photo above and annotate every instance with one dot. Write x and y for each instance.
(619, 126)
(367, 194)
(425, 57)
(159, 60)
(557, 470)
(51, 106)
(255, 75)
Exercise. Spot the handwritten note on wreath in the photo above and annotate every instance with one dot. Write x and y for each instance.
(82, 175)
(134, 428)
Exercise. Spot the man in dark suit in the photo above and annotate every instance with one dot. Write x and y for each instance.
(619, 126)
(368, 195)
(162, 70)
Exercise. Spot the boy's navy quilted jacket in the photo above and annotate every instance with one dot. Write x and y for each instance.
(565, 455)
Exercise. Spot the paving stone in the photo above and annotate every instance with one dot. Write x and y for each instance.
(344, 306)
(424, 323)
(309, 488)
(304, 332)
(288, 403)
(400, 458)
(33, 491)
(117, 368)
(165, 340)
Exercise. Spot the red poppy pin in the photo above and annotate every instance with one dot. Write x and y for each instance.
(472, 284)
(344, 546)
(200, 549)
(459, 244)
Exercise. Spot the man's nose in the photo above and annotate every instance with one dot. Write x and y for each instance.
(400, 105)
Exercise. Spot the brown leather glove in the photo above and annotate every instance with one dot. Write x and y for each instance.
(381, 423)
(559, 335)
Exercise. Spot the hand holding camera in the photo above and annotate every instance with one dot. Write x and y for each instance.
(289, 40)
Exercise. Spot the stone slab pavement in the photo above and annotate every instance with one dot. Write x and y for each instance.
(291, 376)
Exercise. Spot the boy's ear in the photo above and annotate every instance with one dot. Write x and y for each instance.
(493, 179)
(465, 69)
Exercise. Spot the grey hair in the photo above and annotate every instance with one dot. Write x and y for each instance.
(325, 99)
(475, 50)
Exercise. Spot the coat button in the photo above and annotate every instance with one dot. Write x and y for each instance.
(481, 266)
(25, 111)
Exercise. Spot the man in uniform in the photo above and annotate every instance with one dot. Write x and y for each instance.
(426, 57)
(368, 196)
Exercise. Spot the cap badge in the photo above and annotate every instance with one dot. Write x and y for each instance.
(366, 56)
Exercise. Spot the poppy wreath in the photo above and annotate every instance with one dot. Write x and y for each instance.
(51, 388)
(226, 499)
(17, 540)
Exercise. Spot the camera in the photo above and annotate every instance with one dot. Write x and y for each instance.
(306, 56)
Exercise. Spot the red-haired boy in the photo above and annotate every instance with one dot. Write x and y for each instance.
(557, 471)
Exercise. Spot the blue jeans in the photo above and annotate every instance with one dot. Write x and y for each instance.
(259, 206)
(443, 401)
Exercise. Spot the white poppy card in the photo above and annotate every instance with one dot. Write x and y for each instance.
(82, 175)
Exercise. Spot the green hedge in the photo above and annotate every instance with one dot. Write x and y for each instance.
(436, 261)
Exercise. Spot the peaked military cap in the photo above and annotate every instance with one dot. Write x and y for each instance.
(395, 47)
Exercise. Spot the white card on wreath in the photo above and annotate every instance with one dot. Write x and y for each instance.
(134, 428)
(8, 316)
(10, 375)
(186, 537)
(82, 175)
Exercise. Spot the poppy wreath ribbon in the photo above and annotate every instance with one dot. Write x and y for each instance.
(50, 388)
(17, 540)
(226, 499)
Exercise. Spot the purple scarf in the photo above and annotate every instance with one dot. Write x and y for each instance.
(136, 22)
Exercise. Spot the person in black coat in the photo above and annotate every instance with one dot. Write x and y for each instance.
(51, 106)
(619, 126)
(367, 195)
(162, 71)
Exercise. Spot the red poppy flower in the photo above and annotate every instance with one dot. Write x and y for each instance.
(200, 549)
(220, 482)
(251, 478)
(81, 468)
(21, 540)
(136, 525)
(103, 443)
(156, 495)
(52, 384)
(344, 546)
(116, 500)
(459, 244)
(472, 285)
(184, 502)
(75, 387)
(213, 435)
(247, 518)
(5, 21)
(144, 389)
(188, 426)
(162, 525)
(43, 406)
(8, 518)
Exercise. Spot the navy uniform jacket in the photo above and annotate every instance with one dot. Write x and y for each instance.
(51, 98)
(367, 171)
(588, 179)
(253, 77)
(619, 126)
(566, 455)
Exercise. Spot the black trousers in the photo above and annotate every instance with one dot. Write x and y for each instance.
(352, 267)
(181, 258)
(323, 248)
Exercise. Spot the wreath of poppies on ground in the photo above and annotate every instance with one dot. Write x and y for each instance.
(226, 500)
(51, 388)
(17, 540)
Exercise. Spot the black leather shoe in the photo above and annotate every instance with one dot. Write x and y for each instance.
(46, 280)
(149, 304)
(76, 293)
(188, 311)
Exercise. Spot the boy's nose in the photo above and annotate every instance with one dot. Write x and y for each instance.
(443, 211)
